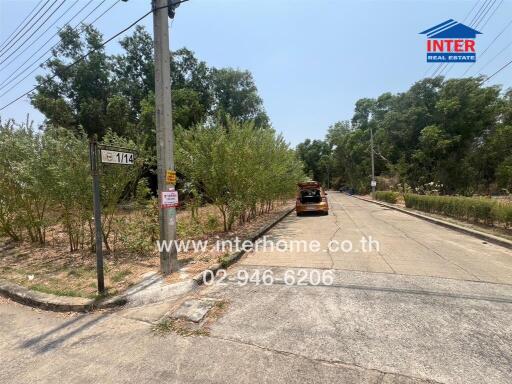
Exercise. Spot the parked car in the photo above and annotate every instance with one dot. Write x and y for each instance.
(311, 197)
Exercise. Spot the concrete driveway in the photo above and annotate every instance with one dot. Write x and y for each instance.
(430, 306)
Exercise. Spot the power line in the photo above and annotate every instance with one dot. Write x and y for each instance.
(20, 24)
(494, 57)
(46, 42)
(478, 13)
(492, 14)
(474, 24)
(6, 49)
(108, 9)
(79, 59)
(34, 32)
(471, 11)
(484, 14)
(498, 71)
(42, 34)
(9, 81)
(490, 44)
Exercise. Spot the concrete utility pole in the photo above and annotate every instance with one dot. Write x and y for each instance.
(164, 133)
(374, 183)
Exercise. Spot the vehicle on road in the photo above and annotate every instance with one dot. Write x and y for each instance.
(311, 197)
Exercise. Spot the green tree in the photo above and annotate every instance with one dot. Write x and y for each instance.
(76, 96)
(316, 158)
(236, 96)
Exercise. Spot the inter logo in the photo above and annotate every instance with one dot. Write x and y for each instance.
(451, 42)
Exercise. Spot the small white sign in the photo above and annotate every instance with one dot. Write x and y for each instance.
(117, 157)
(373, 183)
(169, 199)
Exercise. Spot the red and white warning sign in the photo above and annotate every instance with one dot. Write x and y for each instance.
(169, 199)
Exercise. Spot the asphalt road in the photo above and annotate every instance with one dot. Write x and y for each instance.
(430, 305)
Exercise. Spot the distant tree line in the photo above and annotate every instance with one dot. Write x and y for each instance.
(453, 135)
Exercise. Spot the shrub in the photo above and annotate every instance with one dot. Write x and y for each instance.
(387, 196)
(46, 180)
(242, 170)
(476, 209)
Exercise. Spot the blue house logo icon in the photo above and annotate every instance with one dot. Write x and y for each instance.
(451, 42)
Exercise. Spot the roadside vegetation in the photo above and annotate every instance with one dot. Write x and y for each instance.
(234, 172)
(443, 136)
(387, 196)
(472, 209)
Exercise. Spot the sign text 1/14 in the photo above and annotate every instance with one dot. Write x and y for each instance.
(116, 157)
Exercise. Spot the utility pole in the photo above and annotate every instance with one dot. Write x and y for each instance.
(373, 183)
(164, 132)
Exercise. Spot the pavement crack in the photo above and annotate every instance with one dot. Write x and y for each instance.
(338, 227)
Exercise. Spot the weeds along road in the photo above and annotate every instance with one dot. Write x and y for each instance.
(430, 305)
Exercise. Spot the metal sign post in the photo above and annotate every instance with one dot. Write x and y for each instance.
(108, 155)
(93, 152)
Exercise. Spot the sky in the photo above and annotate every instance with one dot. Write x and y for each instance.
(311, 59)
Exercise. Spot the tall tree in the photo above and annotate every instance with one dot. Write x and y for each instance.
(76, 96)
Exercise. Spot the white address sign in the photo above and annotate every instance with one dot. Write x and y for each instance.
(116, 157)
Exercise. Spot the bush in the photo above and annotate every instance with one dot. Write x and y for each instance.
(24, 184)
(476, 209)
(46, 181)
(242, 170)
(387, 196)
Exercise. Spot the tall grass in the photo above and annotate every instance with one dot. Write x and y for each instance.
(474, 209)
(387, 196)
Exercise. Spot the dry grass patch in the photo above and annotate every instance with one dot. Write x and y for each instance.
(54, 269)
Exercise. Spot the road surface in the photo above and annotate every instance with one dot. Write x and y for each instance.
(430, 305)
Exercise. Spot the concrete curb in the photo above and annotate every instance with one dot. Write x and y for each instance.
(481, 235)
(201, 277)
(53, 302)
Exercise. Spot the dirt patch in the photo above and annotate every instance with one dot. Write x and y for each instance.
(54, 269)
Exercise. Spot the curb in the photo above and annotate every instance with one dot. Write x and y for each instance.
(472, 232)
(201, 277)
(55, 303)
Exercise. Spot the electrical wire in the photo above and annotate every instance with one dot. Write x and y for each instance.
(81, 58)
(478, 13)
(10, 79)
(475, 22)
(494, 57)
(492, 14)
(20, 24)
(489, 46)
(484, 14)
(471, 11)
(88, 53)
(498, 71)
(6, 49)
(40, 35)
